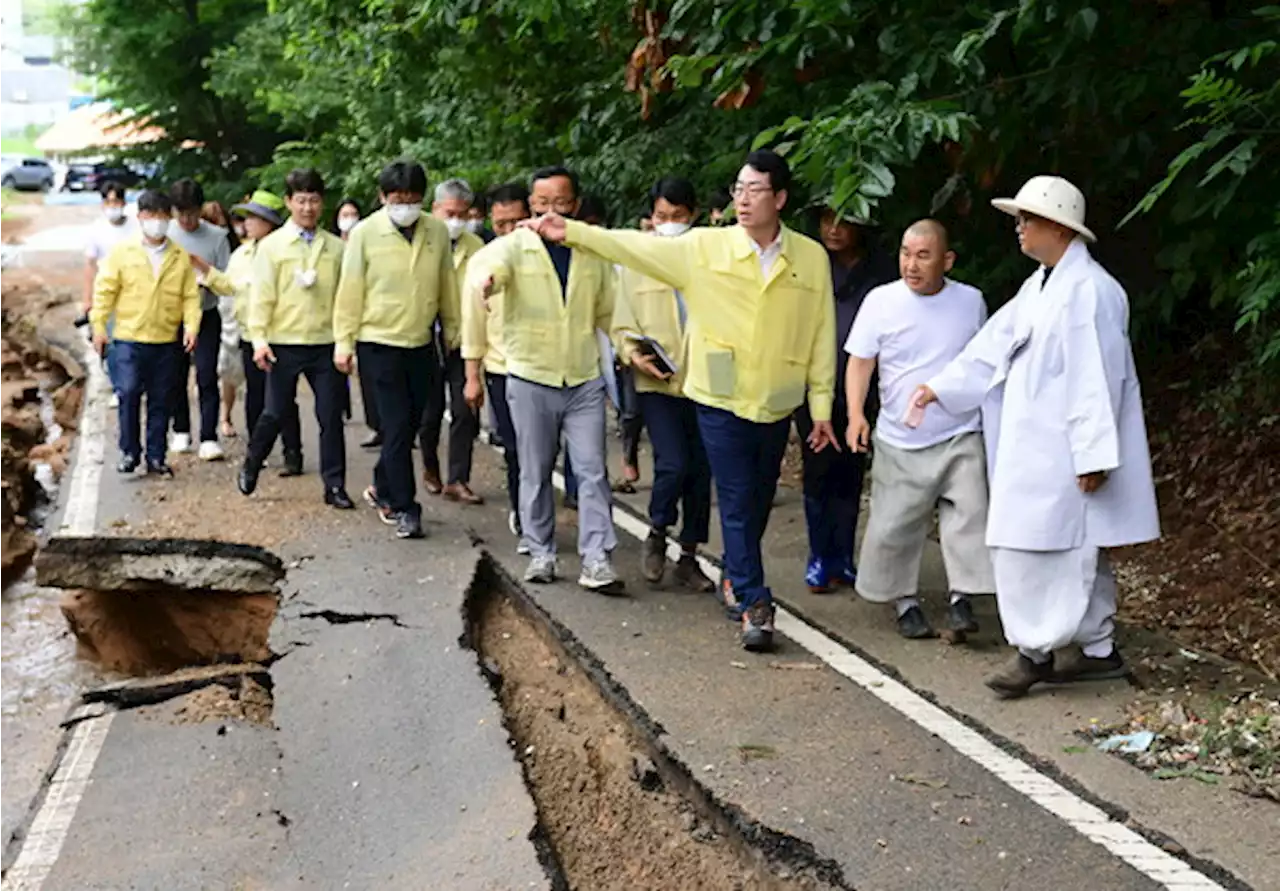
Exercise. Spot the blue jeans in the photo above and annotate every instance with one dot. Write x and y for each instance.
(145, 369)
(681, 472)
(746, 458)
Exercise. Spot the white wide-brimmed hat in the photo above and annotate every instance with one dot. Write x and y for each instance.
(1051, 197)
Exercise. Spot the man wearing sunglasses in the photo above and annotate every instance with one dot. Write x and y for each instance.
(761, 327)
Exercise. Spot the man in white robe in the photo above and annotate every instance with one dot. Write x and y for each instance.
(1071, 471)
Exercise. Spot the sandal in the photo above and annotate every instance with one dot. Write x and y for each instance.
(624, 487)
(228, 430)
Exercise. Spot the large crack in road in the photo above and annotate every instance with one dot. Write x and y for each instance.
(615, 809)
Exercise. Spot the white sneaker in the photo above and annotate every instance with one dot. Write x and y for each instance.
(180, 443)
(542, 570)
(599, 576)
(114, 401)
(210, 451)
(513, 522)
(522, 548)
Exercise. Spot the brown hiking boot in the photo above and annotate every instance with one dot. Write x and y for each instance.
(653, 560)
(1013, 681)
(688, 574)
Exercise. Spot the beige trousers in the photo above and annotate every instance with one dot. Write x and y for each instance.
(906, 486)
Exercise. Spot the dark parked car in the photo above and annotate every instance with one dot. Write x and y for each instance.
(27, 173)
(91, 177)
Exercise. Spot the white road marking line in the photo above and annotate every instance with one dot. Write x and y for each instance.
(48, 832)
(1087, 819)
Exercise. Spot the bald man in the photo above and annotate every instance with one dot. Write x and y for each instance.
(912, 328)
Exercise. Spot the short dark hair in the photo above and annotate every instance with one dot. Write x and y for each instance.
(773, 164)
(186, 194)
(303, 179)
(719, 200)
(112, 189)
(676, 190)
(480, 202)
(403, 176)
(154, 200)
(509, 192)
(593, 208)
(554, 171)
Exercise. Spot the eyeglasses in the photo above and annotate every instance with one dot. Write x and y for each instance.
(304, 200)
(749, 190)
(563, 205)
(1023, 220)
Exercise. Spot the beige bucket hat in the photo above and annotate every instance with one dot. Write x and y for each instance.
(1051, 197)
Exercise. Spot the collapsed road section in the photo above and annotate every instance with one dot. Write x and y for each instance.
(145, 606)
(615, 809)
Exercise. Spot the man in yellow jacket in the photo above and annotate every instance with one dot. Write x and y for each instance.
(553, 300)
(148, 283)
(484, 353)
(290, 324)
(397, 277)
(761, 325)
(453, 201)
(649, 327)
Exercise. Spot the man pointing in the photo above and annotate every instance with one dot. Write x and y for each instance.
(761, 322)
(1071, 474)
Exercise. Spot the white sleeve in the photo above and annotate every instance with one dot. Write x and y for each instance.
(963, 384)
(866, 335)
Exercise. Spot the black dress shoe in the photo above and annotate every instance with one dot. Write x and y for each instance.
(127, 464)
(913, 625)
(158, 468)
(338, 497)
(960, 616)
(247, 481)
(292, 464)
(373, 442)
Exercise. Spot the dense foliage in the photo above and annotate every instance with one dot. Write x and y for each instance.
(1164, 111)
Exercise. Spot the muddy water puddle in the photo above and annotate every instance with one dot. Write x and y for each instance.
(41, 669)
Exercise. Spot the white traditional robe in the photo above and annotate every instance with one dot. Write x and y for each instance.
(1053, 372)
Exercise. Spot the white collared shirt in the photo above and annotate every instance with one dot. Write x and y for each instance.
(768, 254)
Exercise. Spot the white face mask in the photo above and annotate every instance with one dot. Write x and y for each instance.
(671, 230)
(404, 215)
(475, 227)
(455, 226)
(155, 229)
(346, 224)
(112, 213)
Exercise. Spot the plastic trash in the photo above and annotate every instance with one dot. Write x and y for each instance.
(1131, 743)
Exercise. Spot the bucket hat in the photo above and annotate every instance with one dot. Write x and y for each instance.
(262, 204)
(1053, 198)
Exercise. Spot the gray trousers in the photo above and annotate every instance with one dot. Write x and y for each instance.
(540, 414)
(906, 485)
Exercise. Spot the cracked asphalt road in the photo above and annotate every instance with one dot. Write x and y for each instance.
(386, 764)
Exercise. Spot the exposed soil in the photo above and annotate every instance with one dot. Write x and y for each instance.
(1213, 580)
(245, 700)
(157, 632)
(613, 816)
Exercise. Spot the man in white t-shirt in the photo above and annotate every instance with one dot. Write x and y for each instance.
(114, 227)
(912, 328)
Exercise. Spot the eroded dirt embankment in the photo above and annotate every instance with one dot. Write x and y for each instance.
(42, 392)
